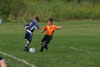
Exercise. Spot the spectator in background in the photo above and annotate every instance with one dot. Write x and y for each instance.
(2, 62)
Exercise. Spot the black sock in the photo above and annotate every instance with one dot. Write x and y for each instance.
(46, 46)
(26, 46)
(42, 48)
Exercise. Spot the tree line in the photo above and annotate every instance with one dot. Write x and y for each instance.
(25, 10)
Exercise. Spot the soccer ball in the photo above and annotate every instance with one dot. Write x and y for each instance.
(32, 50)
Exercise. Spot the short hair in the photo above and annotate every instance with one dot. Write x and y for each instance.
(50, 19)
(37, 18)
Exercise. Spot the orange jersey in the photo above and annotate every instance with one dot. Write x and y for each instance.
(50, 29)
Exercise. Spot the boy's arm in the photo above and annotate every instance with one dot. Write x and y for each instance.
(27, 25)
(42, 31)
(45, 28)
(60, 27)
(39, 28)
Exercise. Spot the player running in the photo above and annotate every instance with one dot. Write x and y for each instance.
(30, 29)
(50, 28)
(2, 62)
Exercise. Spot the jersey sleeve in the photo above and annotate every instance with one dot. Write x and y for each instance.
(45, 28)
(36, 26)
(56, 27)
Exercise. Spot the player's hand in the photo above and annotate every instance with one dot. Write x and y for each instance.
(61, 27)
(41, 31)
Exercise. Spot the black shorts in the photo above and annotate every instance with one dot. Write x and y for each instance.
(28, 36)
(0, 58)
(47, 39)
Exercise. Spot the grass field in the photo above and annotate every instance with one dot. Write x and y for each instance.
(83, 35)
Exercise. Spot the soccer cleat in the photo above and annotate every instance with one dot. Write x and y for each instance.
(26, 50)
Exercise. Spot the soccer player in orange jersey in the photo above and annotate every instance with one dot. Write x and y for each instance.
(50, 28)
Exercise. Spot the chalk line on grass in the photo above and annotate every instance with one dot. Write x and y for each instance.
(82, 50)
(18, 59)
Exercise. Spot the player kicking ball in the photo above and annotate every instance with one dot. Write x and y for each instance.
(50, 28)
(30, 27)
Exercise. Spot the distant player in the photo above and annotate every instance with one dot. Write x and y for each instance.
(2, 62)
(50, 28)
(30, 27)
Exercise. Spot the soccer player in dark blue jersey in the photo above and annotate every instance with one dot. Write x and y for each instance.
(30, 27)
(2, 62)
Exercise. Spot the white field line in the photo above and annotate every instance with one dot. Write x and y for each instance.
(17, 59)
(82, 50)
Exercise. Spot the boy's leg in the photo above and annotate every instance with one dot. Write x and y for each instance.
(43, 43)
(42, 46)
(47, 42)
(28, 37)
(26, 46)
(46, 46)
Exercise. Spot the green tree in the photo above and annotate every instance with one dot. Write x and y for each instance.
(11, 7)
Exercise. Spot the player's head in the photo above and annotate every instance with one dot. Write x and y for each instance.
(37, 19)
(50, 21)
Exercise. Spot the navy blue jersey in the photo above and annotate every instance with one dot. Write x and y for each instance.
(31, 26)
